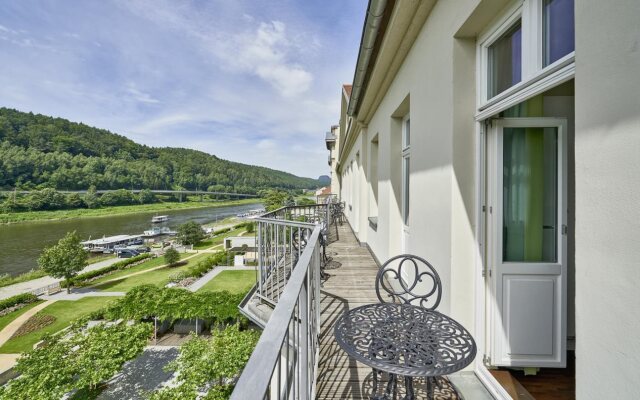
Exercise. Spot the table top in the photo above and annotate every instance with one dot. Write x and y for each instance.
(405, 339)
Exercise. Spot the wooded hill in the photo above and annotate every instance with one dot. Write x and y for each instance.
(39, 151)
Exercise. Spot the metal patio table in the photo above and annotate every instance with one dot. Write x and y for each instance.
(404, 340)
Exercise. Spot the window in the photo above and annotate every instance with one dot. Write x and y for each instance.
(505, 61)
(374, 172)
(558, 30)
(529, 37)
(406, 170)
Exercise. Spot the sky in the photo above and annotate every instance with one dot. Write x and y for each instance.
(257, 82)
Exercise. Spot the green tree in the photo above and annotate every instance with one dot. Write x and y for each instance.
(274, 199)
(65, 259)
(209, 363)
(91, 198)
(146, 196)
(74, 200)
(171, 256)
(190, 233)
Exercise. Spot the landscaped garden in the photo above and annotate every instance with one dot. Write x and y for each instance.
(159, 277)
(7, 318)
(82, 358)
(57, 316)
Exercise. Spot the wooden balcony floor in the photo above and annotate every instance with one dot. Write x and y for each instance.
(351, 283)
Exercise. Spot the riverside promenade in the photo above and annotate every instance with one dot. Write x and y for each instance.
(28, 286)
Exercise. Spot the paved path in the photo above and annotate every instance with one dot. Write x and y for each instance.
(77, 294)
(7, 361)
(28, 286)
(213, 273)
(141, 375)
(14, 325)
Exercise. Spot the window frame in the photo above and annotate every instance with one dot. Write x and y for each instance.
(530, 13)
(406, 172)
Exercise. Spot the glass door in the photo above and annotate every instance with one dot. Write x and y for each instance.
(526, 223)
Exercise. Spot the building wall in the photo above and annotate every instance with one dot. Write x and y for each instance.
(442, 190)
(607, 148)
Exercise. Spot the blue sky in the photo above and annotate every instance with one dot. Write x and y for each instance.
(251, 81)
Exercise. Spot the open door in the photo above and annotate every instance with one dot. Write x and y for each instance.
(527, 246)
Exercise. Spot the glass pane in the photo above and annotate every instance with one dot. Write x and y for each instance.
(405, 190)
(505, 61)
(530, 195)
(559, 35)
(407, 133)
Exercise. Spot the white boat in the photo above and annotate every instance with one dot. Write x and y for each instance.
(157, 231)
(252, 213)
(159, 218)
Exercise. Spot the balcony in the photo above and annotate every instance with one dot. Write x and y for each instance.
(297, 357)
(330, 140)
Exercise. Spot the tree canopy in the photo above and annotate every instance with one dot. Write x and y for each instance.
(65, 259)
(38, 151)
(190, 233)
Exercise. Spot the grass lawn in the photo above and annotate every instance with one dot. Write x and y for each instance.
(64, 311)
(155, 262)
(6, 319)
(233, 281)
(159, 277)
(219, 239)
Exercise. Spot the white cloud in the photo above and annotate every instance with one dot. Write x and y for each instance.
(266, 53)
(139, 95)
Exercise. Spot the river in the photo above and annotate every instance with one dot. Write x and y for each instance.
(21, 244)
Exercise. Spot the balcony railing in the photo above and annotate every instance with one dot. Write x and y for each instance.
(284, 362)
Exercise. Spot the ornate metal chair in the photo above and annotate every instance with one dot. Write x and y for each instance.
(409, 279)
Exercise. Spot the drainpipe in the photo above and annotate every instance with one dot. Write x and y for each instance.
(369, 33)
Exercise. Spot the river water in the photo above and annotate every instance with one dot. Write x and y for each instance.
(21, 244)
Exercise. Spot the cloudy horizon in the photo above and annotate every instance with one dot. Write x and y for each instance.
(252, 83)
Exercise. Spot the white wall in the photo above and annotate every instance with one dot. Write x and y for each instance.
(442, 189)
(607, 153)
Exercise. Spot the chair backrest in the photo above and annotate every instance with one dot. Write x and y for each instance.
(409, 279)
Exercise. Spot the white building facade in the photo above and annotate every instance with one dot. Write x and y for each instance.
(499, 140)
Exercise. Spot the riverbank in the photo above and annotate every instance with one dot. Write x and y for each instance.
(38, 216)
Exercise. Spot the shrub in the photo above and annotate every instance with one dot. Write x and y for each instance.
(84, 278)
(171, 256)
(23, 298)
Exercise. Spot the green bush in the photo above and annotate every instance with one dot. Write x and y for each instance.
(223, 230)
(146, 301)
(80, 279)
(23, 298)
(171, 256)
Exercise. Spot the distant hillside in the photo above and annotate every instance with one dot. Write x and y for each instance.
(324, 180)
(42, 151)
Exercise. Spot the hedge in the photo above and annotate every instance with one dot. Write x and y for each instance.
(202, 267)
(80, 279)
(24, 298)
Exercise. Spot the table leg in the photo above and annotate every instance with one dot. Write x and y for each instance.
(374, 395)
(408, 384)
(430, 384)
(392, 388)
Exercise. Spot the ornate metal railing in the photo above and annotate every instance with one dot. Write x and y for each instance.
(284, 362)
